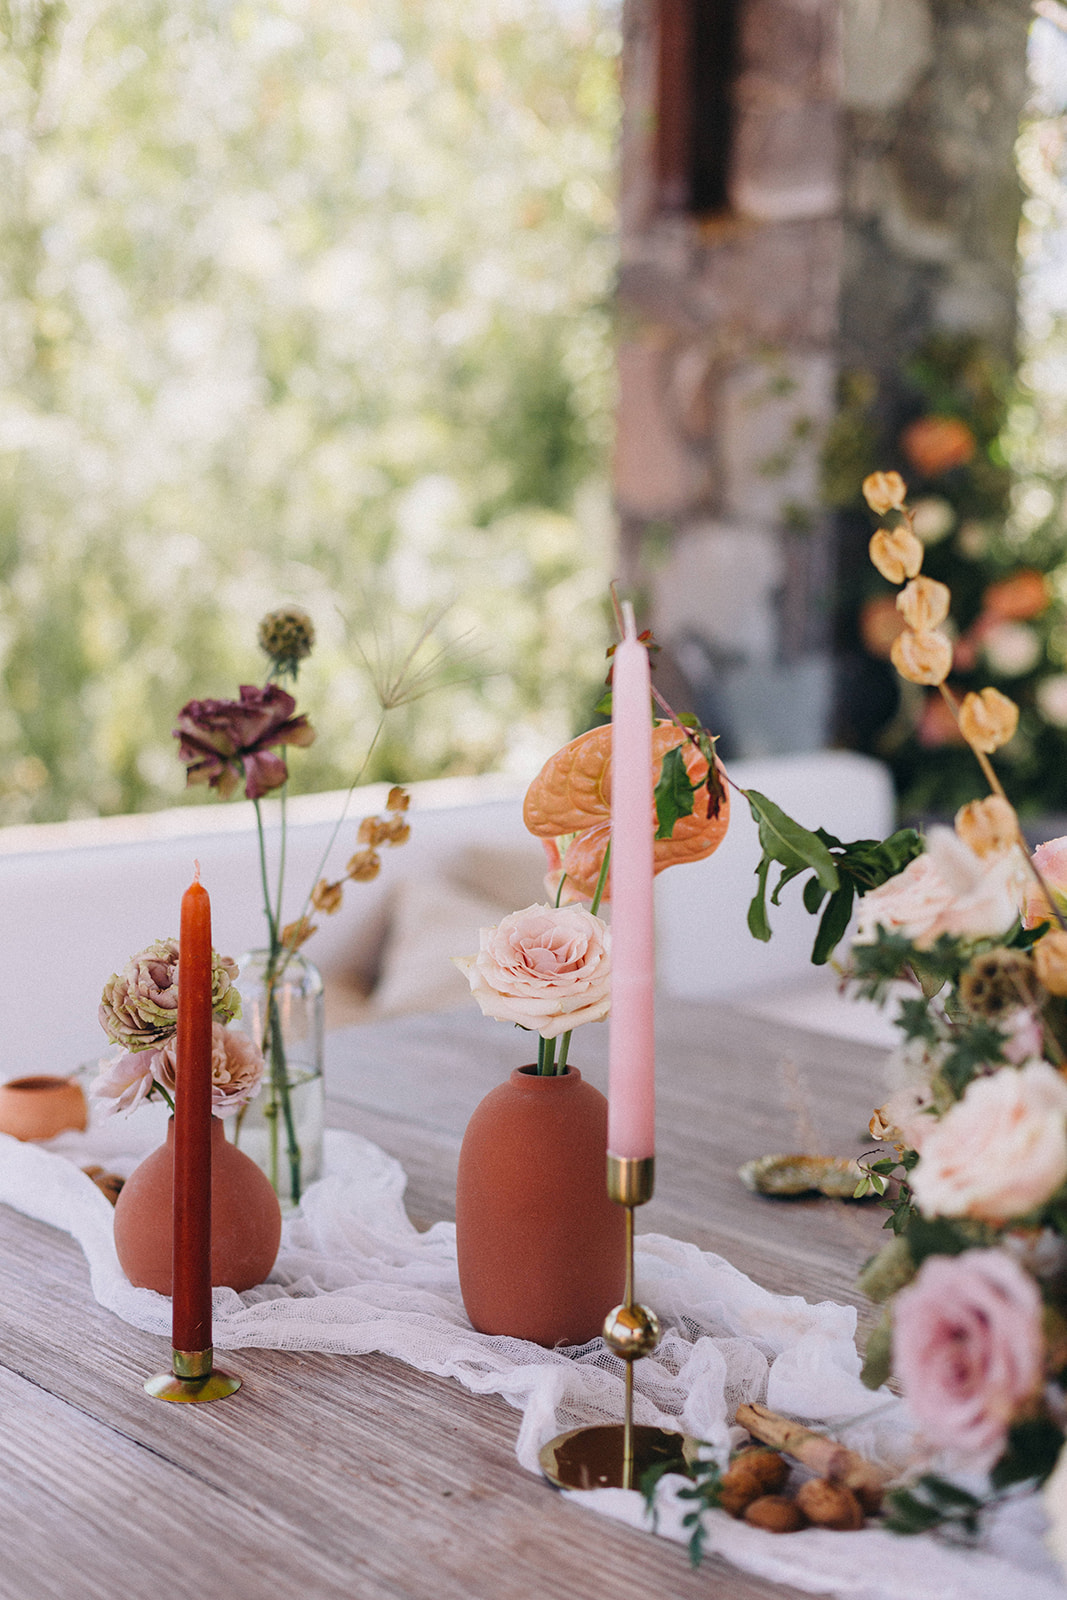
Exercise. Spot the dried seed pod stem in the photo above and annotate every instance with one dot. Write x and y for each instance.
(825, 1456)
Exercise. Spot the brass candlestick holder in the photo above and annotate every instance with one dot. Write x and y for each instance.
(612, 1455)
(194, 1379)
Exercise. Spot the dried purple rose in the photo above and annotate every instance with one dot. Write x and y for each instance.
(139, 1006)
(223, 741)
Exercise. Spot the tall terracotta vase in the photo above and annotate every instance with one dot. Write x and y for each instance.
(246, 1220)
(541, 1247)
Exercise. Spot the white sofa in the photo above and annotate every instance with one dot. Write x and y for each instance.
(81, 897)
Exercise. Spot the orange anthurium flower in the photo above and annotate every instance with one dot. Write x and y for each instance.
(571, 795)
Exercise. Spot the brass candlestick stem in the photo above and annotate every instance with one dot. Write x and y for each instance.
(612, 1455)
(194, 1379)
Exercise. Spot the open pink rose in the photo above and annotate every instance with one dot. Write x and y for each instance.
(546, 968)
(967, 1349)
(998, 1152)
(948, 889)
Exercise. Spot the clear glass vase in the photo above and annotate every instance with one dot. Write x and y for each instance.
(282, 1128)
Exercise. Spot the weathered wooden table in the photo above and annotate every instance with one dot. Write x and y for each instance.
(356, 1476)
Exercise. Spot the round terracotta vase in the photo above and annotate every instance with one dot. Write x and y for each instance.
(246, 1220)
(541, 1247)
(41, 1107)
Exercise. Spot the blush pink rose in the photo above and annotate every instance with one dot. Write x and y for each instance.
(948, 889)
(546, 968)
(967, 1349)
(1000, 1151)
(1050, 859)
(122, 1085)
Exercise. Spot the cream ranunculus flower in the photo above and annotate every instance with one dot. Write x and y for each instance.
(546, 968)
(998, 1152)
(948, 889)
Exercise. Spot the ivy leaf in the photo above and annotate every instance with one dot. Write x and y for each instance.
(1033, 1449)
(674, 793)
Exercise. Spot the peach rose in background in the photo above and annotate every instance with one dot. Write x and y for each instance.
(948, 889)
(998, 1152)
(967, 1349)
(546, 968)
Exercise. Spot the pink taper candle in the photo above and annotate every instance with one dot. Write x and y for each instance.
(632, 1079)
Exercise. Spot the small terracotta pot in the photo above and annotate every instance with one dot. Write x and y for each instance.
(541, 1247)
(41, 1107)
(246, 1220)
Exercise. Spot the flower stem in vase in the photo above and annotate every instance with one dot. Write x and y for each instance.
(274, 1049)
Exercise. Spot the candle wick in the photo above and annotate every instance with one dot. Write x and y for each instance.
(196, 872)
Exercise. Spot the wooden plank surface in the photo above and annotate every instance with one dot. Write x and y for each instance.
(356, 1476)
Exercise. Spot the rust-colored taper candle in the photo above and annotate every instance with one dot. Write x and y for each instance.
(192, 1127)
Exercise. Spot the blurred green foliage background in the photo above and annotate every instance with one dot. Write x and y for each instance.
(299, 300)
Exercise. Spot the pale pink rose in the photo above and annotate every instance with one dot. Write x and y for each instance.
(1000, 1151)
(967, 1349)
(236, 1069)
(121, 1085)
(948, 889)
(1050, 859)
(546, 968)
(1054, 1495)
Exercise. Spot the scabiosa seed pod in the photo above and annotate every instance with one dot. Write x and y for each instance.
(287, 636)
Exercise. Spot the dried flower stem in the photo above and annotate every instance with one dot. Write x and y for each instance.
(826, 1457)
(998, 789)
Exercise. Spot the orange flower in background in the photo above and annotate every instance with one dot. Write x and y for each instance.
(988, 720)
(1018, 598)
(571, 799)
(937, 726)
(937, 444)
(880, 623)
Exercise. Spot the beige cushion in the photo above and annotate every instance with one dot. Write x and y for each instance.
(432, 920)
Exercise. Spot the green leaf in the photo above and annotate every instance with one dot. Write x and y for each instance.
(877, 1360)
(1033, 1449)
(835, 920)
(758, 925)
(787, 876)
(603, 706)
(813, 896)
(674, 793)
(786, 841)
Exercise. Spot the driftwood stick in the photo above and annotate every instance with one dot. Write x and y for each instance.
(824, 1456)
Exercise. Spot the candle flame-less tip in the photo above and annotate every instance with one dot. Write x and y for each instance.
(196, 872)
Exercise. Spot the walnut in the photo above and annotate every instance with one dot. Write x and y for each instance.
(752, 1473)
(776, 1513)
(830, 1505)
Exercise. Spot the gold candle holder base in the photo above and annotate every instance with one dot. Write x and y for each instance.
(614, 1455)
(594, 1458)
(193, 1380)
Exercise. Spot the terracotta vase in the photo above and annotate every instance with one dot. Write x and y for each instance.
(541, 1247)
(41, 1107)
(246, 1220)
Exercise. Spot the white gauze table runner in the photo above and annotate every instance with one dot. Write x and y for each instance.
(355, 1276)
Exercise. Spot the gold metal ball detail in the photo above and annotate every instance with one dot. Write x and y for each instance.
(631, 1331)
